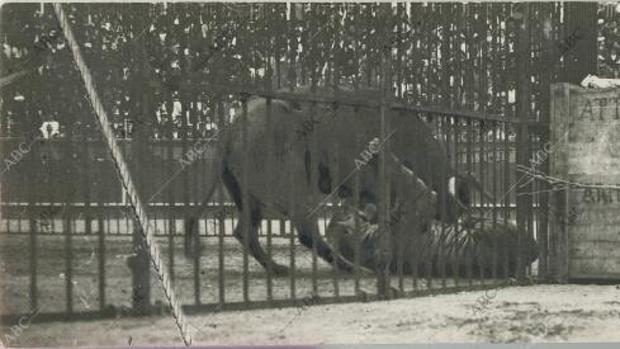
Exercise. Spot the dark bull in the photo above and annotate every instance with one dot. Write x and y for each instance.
(320, 162)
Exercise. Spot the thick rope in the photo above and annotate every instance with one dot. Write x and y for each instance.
(122, 169)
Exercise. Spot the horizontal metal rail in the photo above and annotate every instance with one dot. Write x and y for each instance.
(365, 103)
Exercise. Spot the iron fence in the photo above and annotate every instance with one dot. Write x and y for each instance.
(67, 189)
(62, 206)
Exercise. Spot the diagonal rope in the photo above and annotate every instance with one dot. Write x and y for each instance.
(536, 174)
(121, 167)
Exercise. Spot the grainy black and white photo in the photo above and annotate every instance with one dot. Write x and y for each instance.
(306, 173)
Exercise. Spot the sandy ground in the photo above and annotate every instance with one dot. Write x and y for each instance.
(52, 271)
(544, 313)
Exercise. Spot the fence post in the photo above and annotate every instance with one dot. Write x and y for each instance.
(523, 199)
(141, 276)
(33, 242)
(385, 243)
(549, 60)
(140, 262)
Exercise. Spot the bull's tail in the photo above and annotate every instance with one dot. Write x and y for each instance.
(191, 242)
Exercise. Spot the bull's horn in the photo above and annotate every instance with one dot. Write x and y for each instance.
(403, 169)
(409, 172)
(476, 183)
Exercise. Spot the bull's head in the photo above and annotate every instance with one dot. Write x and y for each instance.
(415, 203)
(460, 191)
(411, 198)
(412, 209)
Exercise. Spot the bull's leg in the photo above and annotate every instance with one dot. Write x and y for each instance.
(191, 243)
(254, 246)
(308, 234)
(256, 249)
(232, 186)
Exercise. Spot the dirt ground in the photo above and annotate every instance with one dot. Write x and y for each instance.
(544, 313)
(52, 271)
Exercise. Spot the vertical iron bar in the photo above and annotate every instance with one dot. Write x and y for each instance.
(443, 174)
(101, 252)
(33, 257)
(506, 194)
(197, 251)
(383, 280)
(401, 250)
(269, 161)
(222, 124)
(55, 193)
(290, 156)
(170, 145)
(335, 201)
(140, 264)
(417, 250)
(453, 241)
(86, 184)
(543, 203)
(189, 239)
(428, 249)
(246, 210)
(482, 168)
(313, 181)
(496, 155)
(529, 211)
(467, 248)
(68, 231)
(356, 204)
(292, 213)
(335, 106)
(522, 111)
(392, 217)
